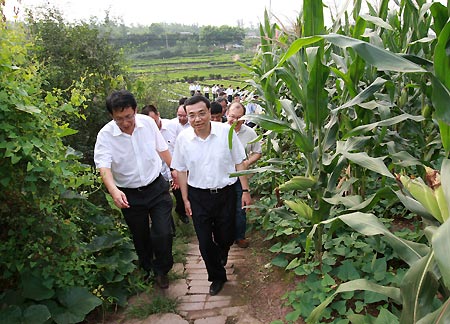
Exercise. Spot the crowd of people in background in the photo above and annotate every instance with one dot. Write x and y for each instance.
(142, 158)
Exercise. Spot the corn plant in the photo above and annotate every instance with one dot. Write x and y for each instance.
(355, 103)
(425, 289)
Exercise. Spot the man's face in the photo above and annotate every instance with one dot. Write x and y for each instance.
(125, 119)
(156, 118)
(216, 117)
(199, 116)
(182, 116)
(233, 114)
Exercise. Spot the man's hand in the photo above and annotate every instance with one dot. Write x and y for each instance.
(120, 200)
(246, 199)
(187, 208)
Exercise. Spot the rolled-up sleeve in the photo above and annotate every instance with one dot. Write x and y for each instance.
(102, 152)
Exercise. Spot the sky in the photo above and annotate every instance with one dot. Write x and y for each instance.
(146, 12)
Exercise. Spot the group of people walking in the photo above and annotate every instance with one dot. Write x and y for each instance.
(141, 157)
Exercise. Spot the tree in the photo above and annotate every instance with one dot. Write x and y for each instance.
(77, 52)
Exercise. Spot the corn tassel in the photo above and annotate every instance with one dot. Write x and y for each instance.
(423, 194)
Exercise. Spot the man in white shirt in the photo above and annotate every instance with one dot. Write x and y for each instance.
(128, 154)
(207, 189)
(229, 93)
(246, 135)
(168, 130)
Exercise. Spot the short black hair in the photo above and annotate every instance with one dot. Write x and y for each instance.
(216, 108)
(119, 100)
(147, 109)
(195, 99)
(181, 101)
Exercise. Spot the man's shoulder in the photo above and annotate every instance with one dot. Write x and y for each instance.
(248, 129)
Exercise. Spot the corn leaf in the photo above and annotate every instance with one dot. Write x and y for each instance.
(419, 288)
(382, 59)
(441, 243)
(354, 285)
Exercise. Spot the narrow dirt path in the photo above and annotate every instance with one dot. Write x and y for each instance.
(252, 294)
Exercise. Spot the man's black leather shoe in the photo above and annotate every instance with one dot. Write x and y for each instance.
(162, 281)
(215, 287)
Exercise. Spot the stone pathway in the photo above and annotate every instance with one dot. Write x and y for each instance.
(196, 306)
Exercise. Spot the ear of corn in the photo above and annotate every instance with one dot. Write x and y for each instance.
(442, 202)
(300, 207)
(423, 194)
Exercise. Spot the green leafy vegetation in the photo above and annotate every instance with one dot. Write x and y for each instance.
(352, 112)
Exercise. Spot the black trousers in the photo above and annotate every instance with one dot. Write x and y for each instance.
(154, 248)
(213, 215)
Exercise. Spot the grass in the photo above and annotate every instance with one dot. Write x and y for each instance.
(159, 304)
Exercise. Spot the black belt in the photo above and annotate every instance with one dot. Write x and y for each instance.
(212, 191)
(143, 188)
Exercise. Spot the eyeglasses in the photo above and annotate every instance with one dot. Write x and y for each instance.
(126, 118)
(232, 117)
(200, 115)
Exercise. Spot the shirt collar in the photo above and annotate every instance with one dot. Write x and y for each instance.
(117, 131)
(214, 130)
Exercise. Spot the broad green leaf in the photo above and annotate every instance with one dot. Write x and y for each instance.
(380, 58)
(354, 285)
(347, 201)
(11, 314)
(377, 21)
(445, 179)
(368, 224)
(35, 288)
(293, 264)
(440, 97)
(300, 207)
(444, 129)
(386, 317)
(347, 271)
(257, 170)
(316, 110)
(78, 302)
(65, 131)
(104, 242)
(442, 58)
(419, 288)
(364, 95)
(413, 205)
(373, 164)
(28, 109)
(298, 183)
(316, 26)
(440, 316)
(440, 16)
(441, 244)
(36, 314)
(382, 123)
(267, 122)
(280, 261)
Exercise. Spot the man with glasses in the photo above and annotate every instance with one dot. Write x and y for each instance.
(128, 154)
(246, 135)
(204, 161)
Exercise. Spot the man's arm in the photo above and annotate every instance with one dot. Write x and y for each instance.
(182, 181)
(246, 198)
(252, 159)
(167, 158)
(120, 200)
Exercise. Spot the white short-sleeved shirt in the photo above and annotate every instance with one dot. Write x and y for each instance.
(247, 134)
(133, 159)
(169, 132)
(209, 161)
